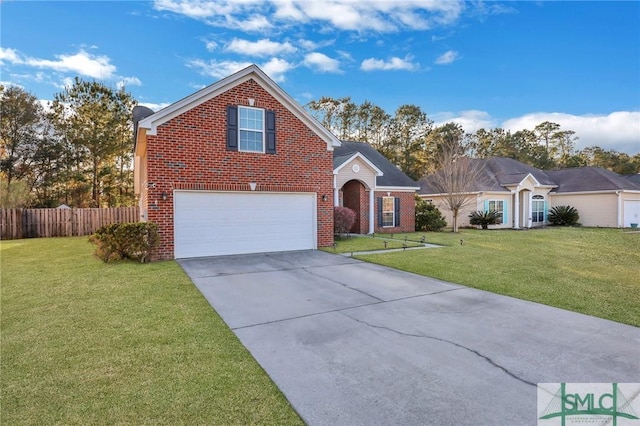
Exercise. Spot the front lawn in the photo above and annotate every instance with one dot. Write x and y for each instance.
(356, 244)
(588, 270)
(84, 342)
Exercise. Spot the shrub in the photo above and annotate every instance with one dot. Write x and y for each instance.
(125, 241)
(484, 219)
(343, 219)
(563, 216)
(428, 217)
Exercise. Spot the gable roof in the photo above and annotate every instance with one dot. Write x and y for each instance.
(152, 122)
(584, 179)
(391, 175)
(344, 159)
(500, 172)
(508, 171)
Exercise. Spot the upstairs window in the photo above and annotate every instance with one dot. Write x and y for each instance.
(251, 128)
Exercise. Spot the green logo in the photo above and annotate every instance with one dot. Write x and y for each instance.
(588, 399)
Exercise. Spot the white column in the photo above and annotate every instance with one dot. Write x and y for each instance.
(336, 193)
(371, 210)
(620, 213)
(530, 212)
(516, 208)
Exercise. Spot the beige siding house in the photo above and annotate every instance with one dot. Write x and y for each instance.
(523, 195)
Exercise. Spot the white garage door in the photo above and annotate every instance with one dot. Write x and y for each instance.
(220, 223)
(631, 212)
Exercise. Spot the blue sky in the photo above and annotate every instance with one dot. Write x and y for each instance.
(481, 64)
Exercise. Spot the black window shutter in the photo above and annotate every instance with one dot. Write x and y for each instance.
(396, 215)
(380, 212)
(270, 132)
(232, 128)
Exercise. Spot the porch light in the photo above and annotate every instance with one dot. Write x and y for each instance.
(324, 197)
(164, 196)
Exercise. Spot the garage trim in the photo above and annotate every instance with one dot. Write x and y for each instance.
(250, 222)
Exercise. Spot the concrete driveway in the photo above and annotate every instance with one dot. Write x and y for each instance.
(351, 343)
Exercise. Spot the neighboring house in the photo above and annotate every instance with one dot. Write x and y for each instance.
(382, 196)
(523, 194)
(241, 167)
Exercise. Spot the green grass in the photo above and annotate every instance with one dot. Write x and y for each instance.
(85, 342)
(587, 270)
(355, 244)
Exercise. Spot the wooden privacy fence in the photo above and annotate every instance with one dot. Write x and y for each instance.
(37, 223)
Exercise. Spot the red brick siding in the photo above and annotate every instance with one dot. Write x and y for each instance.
(407, 212)
(189, 152)
(356, 197)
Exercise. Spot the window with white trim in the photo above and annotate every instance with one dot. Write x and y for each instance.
(251, 129)
(498, 206)
(388, 211)
(537, 208)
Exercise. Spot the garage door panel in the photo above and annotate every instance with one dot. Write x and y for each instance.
(211, 224)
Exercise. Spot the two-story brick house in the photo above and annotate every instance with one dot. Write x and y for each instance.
(241, 167)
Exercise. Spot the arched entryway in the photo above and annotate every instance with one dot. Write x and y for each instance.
(356, 197)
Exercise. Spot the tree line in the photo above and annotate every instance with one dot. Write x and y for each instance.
(412, 141)
(78, 149)
(75, 150)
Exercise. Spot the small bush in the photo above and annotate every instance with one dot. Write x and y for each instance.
(484, 219)
(563, 216)
(428, 216)
(343, 220)
(125, 241)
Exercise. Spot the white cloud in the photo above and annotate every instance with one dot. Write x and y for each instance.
(447, 57)
(257, 23)
(7, 84)
(196, 9)
(155, 107)
(353, 15)
(9, 55)
(321, 63)
(314, 45)
(64, 83)
(45, 104)
(211, 45)
(238, 14)
(470, 120)
(217, 69)
(393, 64)
(82, 63)
(619, 130)
(263, 47)
(128, 81)
(376, 15)
(274, 68)
(345, 55)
